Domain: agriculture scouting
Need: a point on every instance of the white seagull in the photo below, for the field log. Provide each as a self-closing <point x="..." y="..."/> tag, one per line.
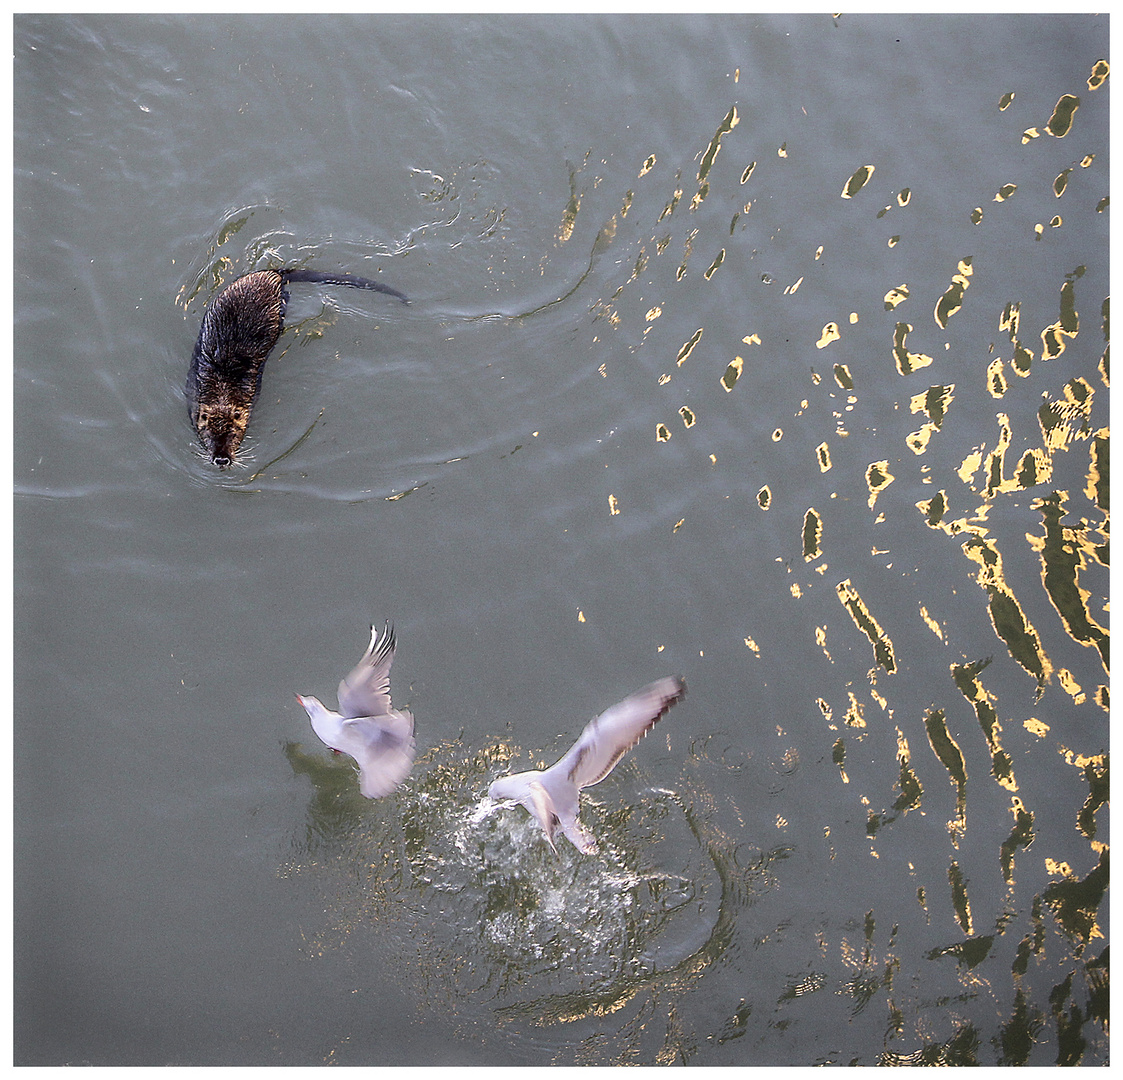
<point x="553" y="795"/>
<point x="367" y="726"/>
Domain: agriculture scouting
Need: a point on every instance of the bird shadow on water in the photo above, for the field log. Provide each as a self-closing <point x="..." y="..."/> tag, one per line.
<point x="487" y="921"/>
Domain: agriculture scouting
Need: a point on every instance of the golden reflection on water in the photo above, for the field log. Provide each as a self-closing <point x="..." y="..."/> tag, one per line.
<point x="857" y="181"/>
<point x="478" y="906"/>
<point x="458" y="862"/>
<point x="1070" y="541"/>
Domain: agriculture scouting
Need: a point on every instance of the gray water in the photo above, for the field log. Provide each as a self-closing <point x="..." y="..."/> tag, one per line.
<point x="876" y="829"/>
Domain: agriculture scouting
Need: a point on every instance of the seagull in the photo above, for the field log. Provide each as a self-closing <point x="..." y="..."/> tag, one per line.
<point x="367" y="726"/>
<point x="552" y="795"/>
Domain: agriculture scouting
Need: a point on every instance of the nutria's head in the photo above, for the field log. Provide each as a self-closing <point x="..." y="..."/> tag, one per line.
<point x="221" y="428"/>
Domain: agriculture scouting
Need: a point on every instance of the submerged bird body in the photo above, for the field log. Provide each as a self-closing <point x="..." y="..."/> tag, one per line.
<point x="367" y="727"/>
<point x="553" y="795"/>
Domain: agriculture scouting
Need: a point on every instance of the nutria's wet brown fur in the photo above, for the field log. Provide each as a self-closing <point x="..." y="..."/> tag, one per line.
<point x="239" y="331"/>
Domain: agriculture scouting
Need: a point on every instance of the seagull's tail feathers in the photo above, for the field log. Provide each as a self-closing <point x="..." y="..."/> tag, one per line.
<point x="527" y="788"/>
<point x="579" y="836"/>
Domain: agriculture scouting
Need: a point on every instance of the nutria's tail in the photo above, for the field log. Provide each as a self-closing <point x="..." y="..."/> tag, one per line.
<point x="342" y="279"/>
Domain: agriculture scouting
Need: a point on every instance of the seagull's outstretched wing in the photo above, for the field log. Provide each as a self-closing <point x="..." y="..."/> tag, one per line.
<point x="366" y="690"/>
<point x="611" y="735"/>
<point x="553" y="795"/>
<point x="384" y="748"/>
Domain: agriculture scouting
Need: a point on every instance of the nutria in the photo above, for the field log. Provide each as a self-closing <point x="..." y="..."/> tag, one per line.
<point x="239" y="331"/>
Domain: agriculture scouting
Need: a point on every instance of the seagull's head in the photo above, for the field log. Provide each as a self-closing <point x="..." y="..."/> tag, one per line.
<point x="312" y="705"/>
<point x="497" y="791"/>
<point x="325" y="723"/>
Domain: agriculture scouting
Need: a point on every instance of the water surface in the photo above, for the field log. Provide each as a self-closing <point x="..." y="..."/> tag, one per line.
<point x="767" y="350"/>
